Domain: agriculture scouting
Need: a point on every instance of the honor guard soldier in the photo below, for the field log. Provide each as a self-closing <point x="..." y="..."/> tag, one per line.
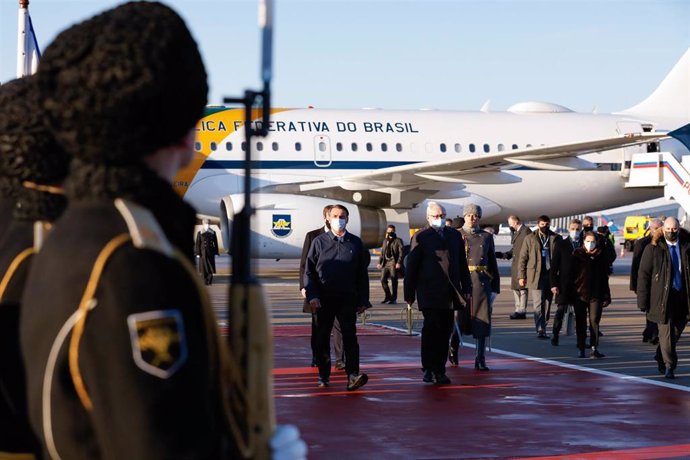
<point x="31" y="158"/>
<point x="122" y="353"/>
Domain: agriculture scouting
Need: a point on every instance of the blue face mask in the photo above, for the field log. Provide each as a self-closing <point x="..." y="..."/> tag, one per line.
<point x="590" y="245"/>
<point x="438" y="222"/>
<point x="338" y="224"/>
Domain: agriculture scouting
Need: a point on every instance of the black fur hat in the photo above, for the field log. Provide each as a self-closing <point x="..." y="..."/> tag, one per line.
<point x="123" y="84"/>
<point x="29" y="153"/>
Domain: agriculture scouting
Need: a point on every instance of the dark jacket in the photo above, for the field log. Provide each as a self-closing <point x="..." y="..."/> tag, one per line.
<point x="395" y="247"/>
<point x="148" y="401"/>
<point x="15" y="432"/>
<point x="206" y="247"/>
<point x="436" y="270"/>
<point x="561" y="272"/>
<point x="338" y="269"/>
<point x="590" y="273"/>
<point x="308" y="238"/>
<point x="654" y="276"/>
<point x="637" y="257"/>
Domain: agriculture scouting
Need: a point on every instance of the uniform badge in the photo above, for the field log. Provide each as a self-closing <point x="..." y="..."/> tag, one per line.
<point x="282" y="225"/>
<point x="158" y="341"/>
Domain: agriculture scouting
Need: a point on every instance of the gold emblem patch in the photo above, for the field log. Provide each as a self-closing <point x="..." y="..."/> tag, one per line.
<point x="159" y="346"/>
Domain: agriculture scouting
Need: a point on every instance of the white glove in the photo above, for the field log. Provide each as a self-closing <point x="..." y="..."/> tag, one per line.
<point x="286" y="444"/>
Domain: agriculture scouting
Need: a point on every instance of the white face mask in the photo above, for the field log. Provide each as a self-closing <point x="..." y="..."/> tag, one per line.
<point x="438" y="223"/>
<point x="338" y="224"/>
<point x="590" y="245"/>
<point x="573" y="234"/>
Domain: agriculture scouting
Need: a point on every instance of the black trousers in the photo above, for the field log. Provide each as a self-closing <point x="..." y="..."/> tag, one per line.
<point x="558" y="318"/>
<point x="595" y="308"/>
<point x="669" y="333"/>
<point x="438" y="324"/>
<point x="337" y="339"/>
<point x="389" y="272"/>
<point x="345" y="310"/>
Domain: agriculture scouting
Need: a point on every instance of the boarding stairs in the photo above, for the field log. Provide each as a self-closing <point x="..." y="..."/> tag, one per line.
<point x="662" y="169"/>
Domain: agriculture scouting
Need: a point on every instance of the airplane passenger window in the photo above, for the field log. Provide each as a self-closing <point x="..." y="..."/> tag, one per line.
<point x="458" y="148"/>
<point x="515" y="146"/>
<point x="384" y="147"/>
<point x="501" y="147"/>
<point x="228" y="146"/>
<point x="322" y="146"/>
<point x="354" y="146"/>
<point x="214" y="146"/>
<point x="339" y="146"/>
<point x="275" y="146"/>
<point x="398" y="147"/>
<point x="197" y="146"/>
<point x="298" y="146"/>
<point x="472" y="148"/>
<point x="528" y="145"/>
<point x="259" y="146"/>
<point x="487" y="149"/>
<point x="244" y="146"/>
<point x="443" y="148"/>
<point x="369" y="147"/>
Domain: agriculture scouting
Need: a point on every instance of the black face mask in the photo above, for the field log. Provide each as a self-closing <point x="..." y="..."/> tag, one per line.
<point x="587" y="228"/>
<point x="671" y="236"/>
<point x="390" y="236"/>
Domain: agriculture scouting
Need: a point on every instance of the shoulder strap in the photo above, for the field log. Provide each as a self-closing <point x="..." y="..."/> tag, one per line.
<point x="18" y="260"/>
<point x="143" y="227"/>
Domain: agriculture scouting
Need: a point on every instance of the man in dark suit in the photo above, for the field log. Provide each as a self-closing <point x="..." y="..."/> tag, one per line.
<point x="390" y="263"/>
<point x="663" y="280"/>
<point x="651" y="331"/>
<point x="306" y="308"/>
<point x="437" y="276"/>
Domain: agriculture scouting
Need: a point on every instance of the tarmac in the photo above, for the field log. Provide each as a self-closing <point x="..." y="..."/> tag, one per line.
<point x="537" y="401"/>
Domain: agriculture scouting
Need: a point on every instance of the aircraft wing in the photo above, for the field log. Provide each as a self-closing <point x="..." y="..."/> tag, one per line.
<point x="424" y="179"/>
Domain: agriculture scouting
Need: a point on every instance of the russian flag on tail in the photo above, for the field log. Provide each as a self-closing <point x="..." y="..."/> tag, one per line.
<point x="28" y="53"/>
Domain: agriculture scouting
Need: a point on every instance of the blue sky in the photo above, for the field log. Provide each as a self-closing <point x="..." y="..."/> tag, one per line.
<point x="452" y="54"/>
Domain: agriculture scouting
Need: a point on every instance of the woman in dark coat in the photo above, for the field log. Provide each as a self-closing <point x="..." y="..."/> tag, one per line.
<point x="590" y="271"/>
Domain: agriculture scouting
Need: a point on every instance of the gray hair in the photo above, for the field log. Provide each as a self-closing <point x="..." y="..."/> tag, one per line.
<point x="434" y="205"/>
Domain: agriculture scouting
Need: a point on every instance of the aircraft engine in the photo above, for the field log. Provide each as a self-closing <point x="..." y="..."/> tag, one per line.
<point x="281" y="220"/>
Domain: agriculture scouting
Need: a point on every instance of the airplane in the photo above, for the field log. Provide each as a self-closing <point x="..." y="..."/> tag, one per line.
<point x="385" y="166"/>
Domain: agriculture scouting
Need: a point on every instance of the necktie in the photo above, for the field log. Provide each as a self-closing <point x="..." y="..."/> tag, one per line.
<point x="675" y="261"/>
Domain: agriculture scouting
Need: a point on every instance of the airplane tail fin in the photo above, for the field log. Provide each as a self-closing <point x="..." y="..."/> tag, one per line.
<point x="671" y="98"/>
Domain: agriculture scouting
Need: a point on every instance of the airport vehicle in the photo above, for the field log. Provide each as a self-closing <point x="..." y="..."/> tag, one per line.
<point x="635" y="227"/>
<point x="384" y="166"/>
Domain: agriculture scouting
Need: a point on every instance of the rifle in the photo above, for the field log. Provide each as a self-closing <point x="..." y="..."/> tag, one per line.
<point x="252" y="413"/>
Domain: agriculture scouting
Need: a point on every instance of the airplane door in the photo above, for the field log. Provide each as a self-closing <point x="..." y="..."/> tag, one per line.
<point x="322" y="151"/>
<point x="630" y="127"/>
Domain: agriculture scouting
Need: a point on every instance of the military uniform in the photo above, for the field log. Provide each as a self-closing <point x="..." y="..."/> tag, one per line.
<point x="206" y="247"/>
<point x="146" y="383"/>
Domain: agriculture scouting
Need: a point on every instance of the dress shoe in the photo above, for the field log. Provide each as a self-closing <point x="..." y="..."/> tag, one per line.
<point x="453" y="356"/>
<point x="542" y="335"/>
<point x="385" y="301"/>
<point x="554" y="340"/>
<point x="669" y="373"/>
<point x="393" y="302"/>
<point x="340" y="365"/>
<point x="323" y="383"/>
<point x="581" y="353"/>
<point x="661" y="367"/>
<point x="595" y="354"/>
<point x="440" y="378"/>
<point x="355" y="381"/>
<point x="428" y="376"/>
<point x="480" y="364"/>
<point x="517" y="315"/>
<point x="313" y="362"/>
